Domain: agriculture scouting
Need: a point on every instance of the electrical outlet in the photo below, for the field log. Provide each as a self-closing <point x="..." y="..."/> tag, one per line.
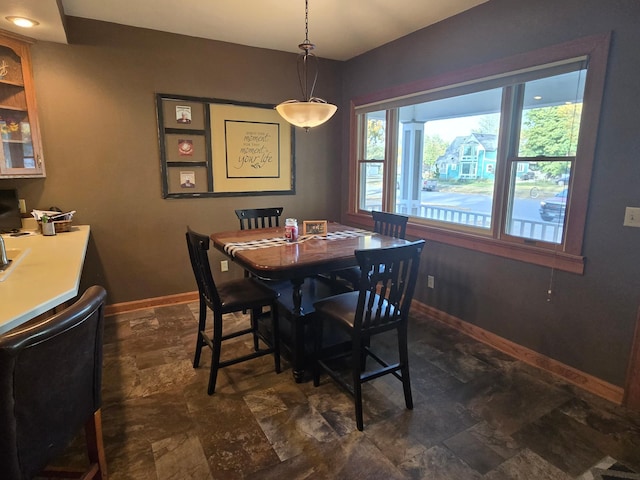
<point x="632" y="217"/>
<point x="431" y="281"/>
<point x="224" y="265"/>
<point x="23" y="205"/>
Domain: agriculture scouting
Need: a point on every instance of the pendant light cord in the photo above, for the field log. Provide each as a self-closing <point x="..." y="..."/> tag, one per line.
<point x="306" y="21"/>
<point x="305" y="59"/>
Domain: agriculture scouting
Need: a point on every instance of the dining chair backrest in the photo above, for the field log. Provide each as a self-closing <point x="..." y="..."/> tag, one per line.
<point x="198" y="246"/>
<point x="259" y="217"/>
<point x="50" y="387"/>
<point x="387" y="282"/>
<point x="390" y="224"/>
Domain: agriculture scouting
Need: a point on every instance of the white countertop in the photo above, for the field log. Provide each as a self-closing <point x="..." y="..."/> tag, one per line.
<point x="47" y="275"/>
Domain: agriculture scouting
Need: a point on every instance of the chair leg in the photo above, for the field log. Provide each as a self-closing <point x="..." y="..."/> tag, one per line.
<point x="275" y="337"/>
<point x="366" y="343"/>
<point x="316" y="328"/>
<point x="202" y="321"/>
<point x="356" y="369"/>
<point x="246" y="275"/>
<point x="255" y="315"/>
<point x="215" y="352"/>
<point x="95" y="444"/>
<point x="404" y="371"/>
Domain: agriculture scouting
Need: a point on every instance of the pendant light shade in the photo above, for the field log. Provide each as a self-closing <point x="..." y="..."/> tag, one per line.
<point x="306" y="114"/>
<point x="310" y="111"/>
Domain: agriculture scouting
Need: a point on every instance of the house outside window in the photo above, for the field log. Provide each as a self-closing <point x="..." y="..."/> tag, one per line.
<point x="499" y="153"/>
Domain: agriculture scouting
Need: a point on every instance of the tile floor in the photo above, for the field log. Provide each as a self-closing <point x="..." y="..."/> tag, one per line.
<point x="478" y="414"/>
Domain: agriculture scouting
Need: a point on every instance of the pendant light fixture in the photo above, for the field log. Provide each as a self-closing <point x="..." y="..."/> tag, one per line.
<point x="311" y="111"/>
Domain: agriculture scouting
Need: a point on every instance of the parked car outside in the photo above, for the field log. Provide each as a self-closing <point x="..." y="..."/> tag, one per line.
<point x="553" y="209"/>
<point x="563" y="179"/>
<point x="430" y="185"/>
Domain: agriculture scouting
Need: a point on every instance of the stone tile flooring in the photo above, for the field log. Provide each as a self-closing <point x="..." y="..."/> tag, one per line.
<point x="478" y="414"/>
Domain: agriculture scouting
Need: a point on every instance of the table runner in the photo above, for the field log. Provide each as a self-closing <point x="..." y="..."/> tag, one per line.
<point x="232" y="247"/>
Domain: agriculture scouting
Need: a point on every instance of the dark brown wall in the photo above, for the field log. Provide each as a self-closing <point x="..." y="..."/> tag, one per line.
<point x="97" y="113"/>
<point x="589" y="322"/>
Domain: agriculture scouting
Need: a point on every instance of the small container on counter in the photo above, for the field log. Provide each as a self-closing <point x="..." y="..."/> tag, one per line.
<point x="48" y="227"/>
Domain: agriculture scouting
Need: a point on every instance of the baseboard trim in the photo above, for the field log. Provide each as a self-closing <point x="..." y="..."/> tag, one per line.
<point x="125" y="307"/>
<point x="583" y="380"/>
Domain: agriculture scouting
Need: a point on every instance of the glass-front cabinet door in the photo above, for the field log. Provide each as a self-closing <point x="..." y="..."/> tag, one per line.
<point x="21" y="152"/>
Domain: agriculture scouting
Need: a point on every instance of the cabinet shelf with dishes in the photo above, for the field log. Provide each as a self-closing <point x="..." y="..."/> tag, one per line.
<point x="20" y="143"/>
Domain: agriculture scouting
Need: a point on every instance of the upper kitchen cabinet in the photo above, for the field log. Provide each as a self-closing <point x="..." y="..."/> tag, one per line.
<point x="21" y="152"/>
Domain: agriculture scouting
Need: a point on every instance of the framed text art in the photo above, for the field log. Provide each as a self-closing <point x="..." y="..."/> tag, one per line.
<point x="211" y="147"/>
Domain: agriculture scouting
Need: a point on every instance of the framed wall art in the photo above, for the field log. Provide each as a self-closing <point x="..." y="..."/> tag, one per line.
<point x="223" y="148"/>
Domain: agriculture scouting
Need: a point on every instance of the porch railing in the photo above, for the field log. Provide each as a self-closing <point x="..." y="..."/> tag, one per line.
<point x="530" y="229"/>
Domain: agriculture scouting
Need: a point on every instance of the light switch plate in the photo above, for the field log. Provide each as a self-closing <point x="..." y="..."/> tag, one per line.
<point x="632" y="217"/>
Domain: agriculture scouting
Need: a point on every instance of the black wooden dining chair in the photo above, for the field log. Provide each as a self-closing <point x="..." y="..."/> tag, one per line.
<point x="251" y="218"/>
<point x="259" y="217"/>
<point x="384" y="223"/>
<point x="381" y="304"/>
<point x="389" y="224"/>
<point x="50" y="389"/>
<point x="245" y="294"/>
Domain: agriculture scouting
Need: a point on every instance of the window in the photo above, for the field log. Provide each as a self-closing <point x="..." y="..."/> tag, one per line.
<point x="488" y="161"/>
<point x="371" y="173"/>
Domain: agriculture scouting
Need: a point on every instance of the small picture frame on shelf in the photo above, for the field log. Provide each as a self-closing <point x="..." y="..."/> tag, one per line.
<point x="314" y="227"/>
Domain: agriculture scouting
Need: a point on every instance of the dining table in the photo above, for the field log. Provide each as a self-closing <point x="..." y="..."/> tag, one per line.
<point x="265" y="253"/>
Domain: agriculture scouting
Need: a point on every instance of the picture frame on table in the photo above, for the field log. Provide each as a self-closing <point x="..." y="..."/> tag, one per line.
<point x="314" y="227"/>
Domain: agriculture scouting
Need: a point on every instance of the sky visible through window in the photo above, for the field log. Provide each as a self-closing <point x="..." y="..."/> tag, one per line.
<point x="450" y="128"/>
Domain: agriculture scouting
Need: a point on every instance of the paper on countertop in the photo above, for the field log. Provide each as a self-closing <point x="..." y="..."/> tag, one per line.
<point x="20" y="234"/>
<point x="38" y="214"/>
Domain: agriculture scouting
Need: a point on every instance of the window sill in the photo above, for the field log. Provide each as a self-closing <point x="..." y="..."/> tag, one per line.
<point x="515" y="251"/>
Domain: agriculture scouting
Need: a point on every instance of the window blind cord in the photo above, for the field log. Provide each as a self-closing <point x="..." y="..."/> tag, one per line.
<point x="569" y="148"/>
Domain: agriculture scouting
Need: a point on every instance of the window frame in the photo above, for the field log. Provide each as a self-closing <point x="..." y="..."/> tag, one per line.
<point x="566" y="256"/>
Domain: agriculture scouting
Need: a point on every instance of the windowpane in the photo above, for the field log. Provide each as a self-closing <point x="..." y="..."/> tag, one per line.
<point x="552" y="108"/>
<point x="549" y="127"/>
<point x="376" y="134"/>
<point x="371" y="185"/>
<point x="371" y="173"/>
<point x="447" y="158"/>
<point x="539" y="199"/>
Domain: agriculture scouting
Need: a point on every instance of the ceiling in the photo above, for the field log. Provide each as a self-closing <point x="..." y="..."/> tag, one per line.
<point x="341" y="29"/>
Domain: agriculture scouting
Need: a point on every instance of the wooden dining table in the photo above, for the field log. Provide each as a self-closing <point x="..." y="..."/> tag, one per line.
<point x="266" y="254"/>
